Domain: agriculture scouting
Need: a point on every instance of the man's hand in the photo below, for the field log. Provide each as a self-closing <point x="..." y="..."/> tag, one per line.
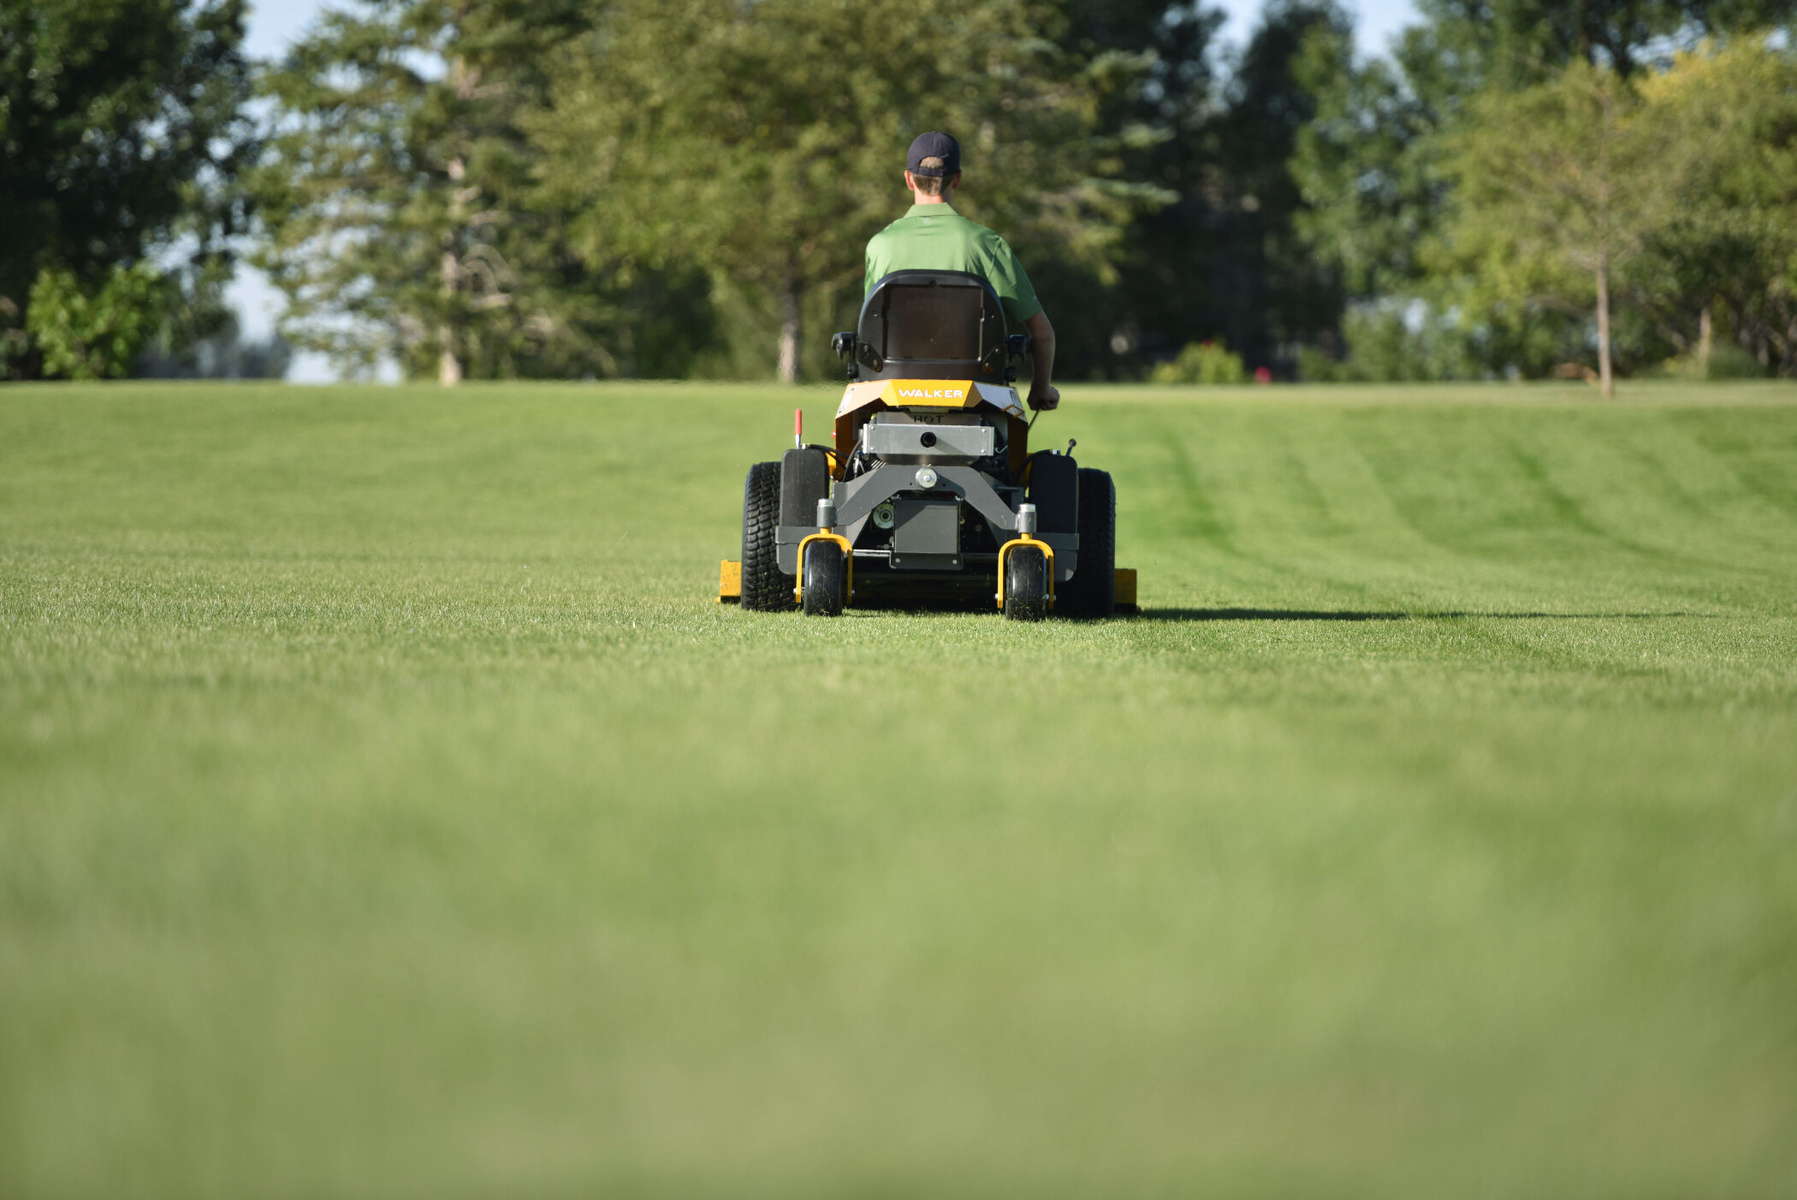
<point x="1045" y="398"/>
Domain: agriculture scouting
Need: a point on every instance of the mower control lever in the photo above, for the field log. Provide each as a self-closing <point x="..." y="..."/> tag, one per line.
<point x="845" y="344"/>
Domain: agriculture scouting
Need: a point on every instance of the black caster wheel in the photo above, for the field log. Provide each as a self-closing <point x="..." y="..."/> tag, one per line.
<point x="1026" y="585"/>
<point x="826" y="580"/>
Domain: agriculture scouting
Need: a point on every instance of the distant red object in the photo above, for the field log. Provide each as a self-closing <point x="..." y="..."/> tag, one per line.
<point x="1263" y="375"/>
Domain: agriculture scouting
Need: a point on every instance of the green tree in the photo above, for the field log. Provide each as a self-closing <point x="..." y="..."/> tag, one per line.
<point x="94" y="333"/>
<point x="1215" y="130"/>
<point x="399" y="203"/>
<point x="1725" y="263"/>
<point x="1366" y="163"/>
<point x="1518" y="43"/>
<point x="1371" y="164"/>
<point x="1157" y="108"/>
<point x="1269" y="292"/>
<point x="121" y="134"/>
<point x="764" y="143"/>
<point x="1559" y="187"/>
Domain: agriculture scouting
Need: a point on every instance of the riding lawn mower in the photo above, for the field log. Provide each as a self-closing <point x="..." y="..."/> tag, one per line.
<point x="929" y="494"/>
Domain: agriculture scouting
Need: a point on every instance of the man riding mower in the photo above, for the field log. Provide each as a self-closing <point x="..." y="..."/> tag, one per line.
<point x="929" y="493"/>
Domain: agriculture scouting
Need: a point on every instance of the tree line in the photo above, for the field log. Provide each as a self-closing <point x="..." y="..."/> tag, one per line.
<point x="681" y="188"/>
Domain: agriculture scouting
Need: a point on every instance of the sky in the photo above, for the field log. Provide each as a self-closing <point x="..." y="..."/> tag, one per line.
<point x="274" y="23"/>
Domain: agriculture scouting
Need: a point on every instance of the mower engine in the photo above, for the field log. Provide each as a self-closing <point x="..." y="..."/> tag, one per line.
<point x="909" y="438"/>
<point x="923" y="526"/>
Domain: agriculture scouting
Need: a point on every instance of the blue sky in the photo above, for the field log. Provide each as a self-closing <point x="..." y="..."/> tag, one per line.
<point x="273" y="23"/>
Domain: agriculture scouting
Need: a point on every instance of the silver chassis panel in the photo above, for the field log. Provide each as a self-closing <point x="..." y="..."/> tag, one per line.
<point x="857" y="499"/>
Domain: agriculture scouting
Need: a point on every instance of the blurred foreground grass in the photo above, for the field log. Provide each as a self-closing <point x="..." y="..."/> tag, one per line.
<point x="387" y="810"/>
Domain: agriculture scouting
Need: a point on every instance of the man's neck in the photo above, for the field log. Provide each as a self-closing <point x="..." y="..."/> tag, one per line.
<point x="920" y="198"/>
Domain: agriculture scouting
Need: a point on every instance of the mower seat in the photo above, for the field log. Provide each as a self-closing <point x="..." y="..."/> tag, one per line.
<point x="931" y="325"/>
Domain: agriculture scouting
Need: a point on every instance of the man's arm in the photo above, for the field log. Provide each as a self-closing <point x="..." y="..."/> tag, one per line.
<point x="1042" y="391"/>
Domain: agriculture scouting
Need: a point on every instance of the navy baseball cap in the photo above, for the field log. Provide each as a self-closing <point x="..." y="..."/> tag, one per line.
<point x="935" y="145"/>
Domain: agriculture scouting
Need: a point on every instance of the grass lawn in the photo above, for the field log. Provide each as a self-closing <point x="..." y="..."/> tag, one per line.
<point x="387" y="810"/>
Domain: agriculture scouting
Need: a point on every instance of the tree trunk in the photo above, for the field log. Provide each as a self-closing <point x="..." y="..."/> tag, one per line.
<point x="1604" y="378"/>
<point x="449" y="367"/>
<point x="1705" y="340"/>
<point x="789" y="332"/>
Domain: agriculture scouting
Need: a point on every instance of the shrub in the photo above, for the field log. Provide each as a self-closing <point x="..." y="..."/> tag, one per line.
<point x="1727" y="361"/>
<point x="94" y="335"/>
<point x="1202" y="362"/>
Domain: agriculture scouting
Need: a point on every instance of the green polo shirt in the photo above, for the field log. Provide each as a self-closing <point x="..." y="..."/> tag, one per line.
<point x="934" y="237"/>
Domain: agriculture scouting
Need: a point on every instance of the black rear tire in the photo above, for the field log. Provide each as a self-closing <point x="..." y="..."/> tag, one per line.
<point x="1026" y="585"/>
<point x="826" y="583"/>
<point x="765" y="588"/>
<point x="1092" y="592"/>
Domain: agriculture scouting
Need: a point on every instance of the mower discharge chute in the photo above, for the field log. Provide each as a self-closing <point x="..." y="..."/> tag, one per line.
<point x="929" y="493"/>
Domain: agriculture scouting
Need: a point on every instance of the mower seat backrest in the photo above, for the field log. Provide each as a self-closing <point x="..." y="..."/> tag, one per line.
<point x="931" y="325"/>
